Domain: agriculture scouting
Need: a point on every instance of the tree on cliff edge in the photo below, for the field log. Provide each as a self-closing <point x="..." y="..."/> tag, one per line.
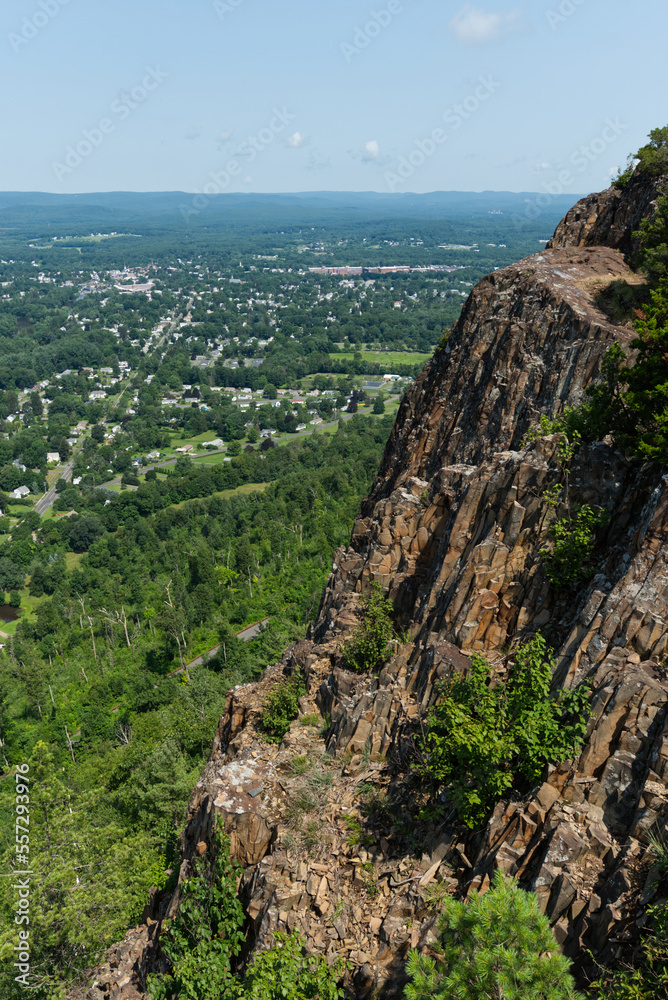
<point x="498" y="946"/>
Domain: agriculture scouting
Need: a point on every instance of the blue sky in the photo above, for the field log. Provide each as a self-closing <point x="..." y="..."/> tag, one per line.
<point x="298" y="95"/>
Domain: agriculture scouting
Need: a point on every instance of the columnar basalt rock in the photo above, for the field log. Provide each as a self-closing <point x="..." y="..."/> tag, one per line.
<point x="453" y="531"/>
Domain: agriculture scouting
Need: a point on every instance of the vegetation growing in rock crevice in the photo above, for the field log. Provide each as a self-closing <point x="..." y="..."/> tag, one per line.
<point x="281" y="708"/>
<point x="371" y="641"/>
<point x="486" y="737"/>
<point x="648" y="980"/>
<point x="573" y="534"/>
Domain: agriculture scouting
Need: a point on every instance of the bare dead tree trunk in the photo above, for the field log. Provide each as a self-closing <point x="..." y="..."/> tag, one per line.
<point x="124" y="620"/>
<point x="110" y="644"/>
<point x="70" y="745"/>
<point x="92" y="636"/>
<point x="88" y="618"/>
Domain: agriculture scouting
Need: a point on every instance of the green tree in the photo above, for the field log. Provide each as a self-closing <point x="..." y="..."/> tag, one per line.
<point x="11" y="575"/>
<point x="653" y="156"/>
<point x="84" y="532"/>
<point x="379" y="404"/>
<point x="498" y="946"/>
<point x="484" y="735"/>
<point x="90" y="879"/>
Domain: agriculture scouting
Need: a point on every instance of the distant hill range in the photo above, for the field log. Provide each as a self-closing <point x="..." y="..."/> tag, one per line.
<point x="437" y="204"/>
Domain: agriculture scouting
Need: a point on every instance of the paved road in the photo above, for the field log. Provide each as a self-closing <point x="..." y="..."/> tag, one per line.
<point x="47" y="500"/>
<point x="245" y="635"/>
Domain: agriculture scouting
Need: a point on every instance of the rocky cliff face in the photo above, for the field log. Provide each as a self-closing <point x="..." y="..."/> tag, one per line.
<point x="452" y="530"/>
<point x="610" y="218"/>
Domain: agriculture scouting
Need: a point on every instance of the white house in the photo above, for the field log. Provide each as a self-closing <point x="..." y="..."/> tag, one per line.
<point x="19" y="493"/>
<point x="52" y="456"/>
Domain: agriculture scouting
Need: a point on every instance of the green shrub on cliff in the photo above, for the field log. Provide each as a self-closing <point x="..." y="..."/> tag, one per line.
<point x="284" y="972"/>
<point x="653" y="232"/>
<point x="205" y="935"/>
<point x="281" y="708"/>
<point x="653" y="156"/>
<point x="370" y="644"/>
<point x="498" y="946"/>
<point x="572" y="540"/>
<point x="630" y="402"/>
<point x="484" y="737"/>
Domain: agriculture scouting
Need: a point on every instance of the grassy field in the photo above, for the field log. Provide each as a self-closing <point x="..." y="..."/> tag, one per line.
<point x="197" y="442"/>
<point x="225" y="494"/>
<point x="215" y="459"/>
<point x="387" y="358"/>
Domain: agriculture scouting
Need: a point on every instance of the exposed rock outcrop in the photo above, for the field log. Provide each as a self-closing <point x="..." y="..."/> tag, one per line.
<point x="610" y="218"/>
<point x="324" y="824"/>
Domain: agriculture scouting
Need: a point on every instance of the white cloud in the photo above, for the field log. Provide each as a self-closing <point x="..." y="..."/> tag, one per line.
<point x="472" y="25"/>
<point x="542" y="166"/>
<point x="296" y="140"/>
<point x="371" y="153"/>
